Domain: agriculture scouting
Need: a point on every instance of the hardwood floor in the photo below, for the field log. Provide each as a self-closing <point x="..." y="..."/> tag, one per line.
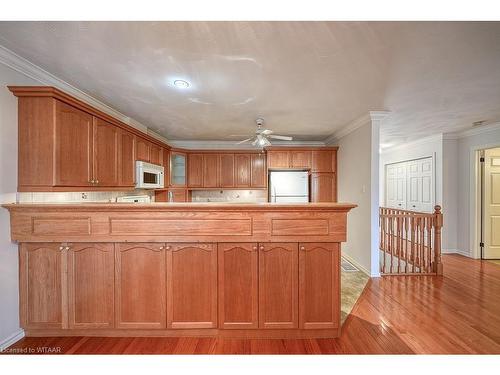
<point x="456" y="313"/>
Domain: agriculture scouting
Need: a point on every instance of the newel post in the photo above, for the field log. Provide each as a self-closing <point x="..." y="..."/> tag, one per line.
<point x="438" y="223"/>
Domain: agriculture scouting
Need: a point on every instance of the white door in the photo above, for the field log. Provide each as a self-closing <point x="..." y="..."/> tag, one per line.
<point x="396" y="185"/>
<point x="492" y="204"/>
<point x="420" y="185"/>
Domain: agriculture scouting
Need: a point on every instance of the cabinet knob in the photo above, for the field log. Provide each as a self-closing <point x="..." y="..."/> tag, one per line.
<point x="255" y="247"/>
<point x="168" y="247"/>
<point x="61" y="248"/>
<point x="262" y="247"/>
<point x="162" y="247"/>
<point x="96" y="181"/>
<point x="302" y="248"/>
<point x="66" y="248"/>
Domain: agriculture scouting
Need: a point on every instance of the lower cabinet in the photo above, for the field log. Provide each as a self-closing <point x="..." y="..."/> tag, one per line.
<point x="90" y="285"/>
<point x="319" y="285"/>
<point x="41" y="285"/>
<point x="192" y="285"/>
<point x="278" y="285"/>
<point x="238" y="285"/>
<point x="140" y="289"/>
<point x="180" y="285"/>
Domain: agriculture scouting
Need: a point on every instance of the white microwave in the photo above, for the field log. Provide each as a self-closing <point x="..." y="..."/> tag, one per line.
<point x="149" y="176"/>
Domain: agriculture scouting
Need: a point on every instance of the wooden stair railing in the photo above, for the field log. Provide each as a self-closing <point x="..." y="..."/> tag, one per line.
<point x="410" y="242"/>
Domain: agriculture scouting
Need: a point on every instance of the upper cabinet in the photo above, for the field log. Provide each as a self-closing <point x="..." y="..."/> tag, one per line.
<point x="227" y="170"/>
<point x="67" y="145"/>
<point x="315" y="159"/>
<point x="177" y="169"/>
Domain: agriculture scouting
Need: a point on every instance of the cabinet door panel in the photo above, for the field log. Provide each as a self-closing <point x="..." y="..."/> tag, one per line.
<point x="140" y="285"/>
<point x="178" y="169"/>
<point x="278" y="159"/>
<point x="278" y="285"/>
<point x="259" y="171"/>
<point x="242" y="162"/>
<point x="42" y="285"/>
<point x="195" y="170"/>
<point x="156" y="154"/>
<point x="127" y="159"/>
<point x="211" y="170"/>
<point x="90" y="285"/>
<point x="238" y="285"/>
<point x="323" y="187"/>
<point x="227" y="170"/>
<point x="106" y="139"/>
<point x="300" y="159"/>
<point x="143" y="150"/>
<point x="192" y="285"/>
<point x="73" y="146"/>
<point x="323" y="161"/>
<point x="319" y="297"/>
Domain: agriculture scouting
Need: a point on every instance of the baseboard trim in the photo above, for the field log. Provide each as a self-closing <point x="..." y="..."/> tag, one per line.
<point x="464" y="253"/>
<point x="450" y="251"/>
<point x="359" y="266"/>
<point x="12" y="339"/>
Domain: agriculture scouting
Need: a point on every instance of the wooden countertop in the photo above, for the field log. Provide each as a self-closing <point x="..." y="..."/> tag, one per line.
<point x="188" y="206"/>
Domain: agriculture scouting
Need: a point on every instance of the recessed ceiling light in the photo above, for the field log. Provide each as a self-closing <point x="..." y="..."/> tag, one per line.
<point x="180" y="83"/>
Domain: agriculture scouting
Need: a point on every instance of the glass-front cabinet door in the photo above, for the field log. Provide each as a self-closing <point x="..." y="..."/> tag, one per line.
<point x="178" y="169"/>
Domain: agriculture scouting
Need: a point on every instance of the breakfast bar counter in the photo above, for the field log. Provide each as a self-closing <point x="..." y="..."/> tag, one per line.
<point x="177" y="269"/>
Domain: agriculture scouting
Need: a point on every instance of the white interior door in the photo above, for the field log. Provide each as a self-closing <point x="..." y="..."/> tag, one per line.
<point x="420" y="185"/>
<point x="492" y="204"/>
<point x="396" y="185"/>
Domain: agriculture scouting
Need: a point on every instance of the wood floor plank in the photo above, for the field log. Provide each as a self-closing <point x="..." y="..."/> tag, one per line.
<point x="456" y="313"/>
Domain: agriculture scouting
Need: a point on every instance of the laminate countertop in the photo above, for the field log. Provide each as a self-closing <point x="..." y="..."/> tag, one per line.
<point x="185" y="206"/>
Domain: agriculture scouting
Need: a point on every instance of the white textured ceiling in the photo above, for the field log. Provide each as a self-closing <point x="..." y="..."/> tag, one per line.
<point x="307" y="79"/>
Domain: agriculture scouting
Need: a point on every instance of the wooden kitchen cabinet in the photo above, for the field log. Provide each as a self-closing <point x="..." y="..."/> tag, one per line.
<point x="323" y="187"/>
<point x="258" y="170"/>
<point x="238" y="285"/>
<point x="324" y="161"/>
<point x="242" y="170"/>
<point x="278" y="159"/>
<point x="73" y="147"/>
<point x="140" y="288"/>
<point x="319" y="285"/>
<point x="300" y="159"/>
<point x="155" y="154"/>
<point x="42" y="285"/>
<point x="278" y="285"/>
<point x="211" y="170"/>
<point x="195" y="170"/>
<point x="192" y="285"/>
<point x="106" y="153"/>
<point x="178" y="169"/>
<point x="227" y="170"/>
<point x="127" y="159"/>
<point x="67" y="145"/>
<point x="143" y="150"/>
<point x="90" y="277"/>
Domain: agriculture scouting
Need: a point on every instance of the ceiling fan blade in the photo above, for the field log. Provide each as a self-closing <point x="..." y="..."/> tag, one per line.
<point x="266" y="131"/>
<point x="282" y="137"/>
<point x="243" y="141"/>
<point x="255" y="142"/>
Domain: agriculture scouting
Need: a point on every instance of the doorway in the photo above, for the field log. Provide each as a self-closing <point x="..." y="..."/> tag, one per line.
<point x="490" y="203"/>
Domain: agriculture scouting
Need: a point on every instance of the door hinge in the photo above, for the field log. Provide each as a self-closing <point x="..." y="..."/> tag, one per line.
<point x="481" y="244"/>
<point x="481" y="159"/>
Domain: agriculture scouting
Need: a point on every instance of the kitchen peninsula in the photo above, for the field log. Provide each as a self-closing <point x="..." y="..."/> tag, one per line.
<point x="174" y="269"/>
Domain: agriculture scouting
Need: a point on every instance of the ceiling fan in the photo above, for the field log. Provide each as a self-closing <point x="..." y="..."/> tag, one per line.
<point x="261" y="135"/>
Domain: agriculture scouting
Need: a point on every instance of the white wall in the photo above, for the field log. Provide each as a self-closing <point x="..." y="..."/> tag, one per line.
<point x="358" y="183"/>
<point x="9" y="287"/>
<point x="467" y="146"/>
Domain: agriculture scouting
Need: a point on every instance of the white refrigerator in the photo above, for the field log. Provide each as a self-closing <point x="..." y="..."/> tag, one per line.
<point x="288" y="186"/>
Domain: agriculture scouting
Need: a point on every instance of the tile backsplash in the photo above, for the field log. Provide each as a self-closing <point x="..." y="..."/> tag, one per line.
<point x="251" y="196"/>
<point x="80" y="197"/>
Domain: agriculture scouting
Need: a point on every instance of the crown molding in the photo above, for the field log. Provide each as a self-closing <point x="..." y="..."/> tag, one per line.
<point x="27" y="68"/>
<point x="231" y="145"/>
<point x="420" y="141"/>
<point x="495" y="126"/>
<point x="371" y="116"/>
